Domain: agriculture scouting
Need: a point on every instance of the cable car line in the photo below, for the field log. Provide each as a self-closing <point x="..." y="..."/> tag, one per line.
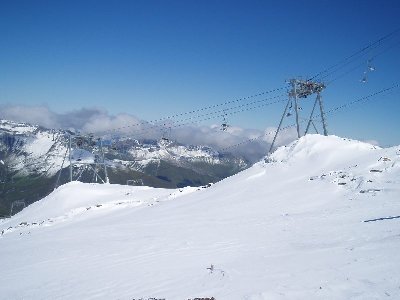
<point x="362" y="50"/>
<point x="363" y="63"/>
<point x="162" y="128"/>
<point x="330" y="69"/>
<point x="231" y="108"/>
<point x="193" y="111"/>
<point x="212" y="114"/>
<point x="331" y="111"/>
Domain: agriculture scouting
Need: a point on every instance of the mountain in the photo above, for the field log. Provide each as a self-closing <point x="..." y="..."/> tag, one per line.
<point x="31" y="158"/>
<point x="317" y="219"/>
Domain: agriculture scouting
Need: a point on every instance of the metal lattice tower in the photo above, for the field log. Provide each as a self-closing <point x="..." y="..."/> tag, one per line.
<point x="300" y="90"/>
<point x="86" y="154"/>
<point x="16" y="204"/>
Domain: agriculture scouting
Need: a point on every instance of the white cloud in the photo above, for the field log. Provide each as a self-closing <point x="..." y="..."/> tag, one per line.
<point x="38" y="115"/>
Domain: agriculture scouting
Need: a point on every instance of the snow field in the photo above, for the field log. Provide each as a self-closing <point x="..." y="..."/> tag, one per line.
<point x="292" y="228"/>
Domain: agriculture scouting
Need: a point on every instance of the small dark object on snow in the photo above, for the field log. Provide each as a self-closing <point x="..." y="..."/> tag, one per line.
<point x="384" y="159"/>
<point x="369" y="191"/>
<point x="211" y="268"/>
<point x="381" y="219"/>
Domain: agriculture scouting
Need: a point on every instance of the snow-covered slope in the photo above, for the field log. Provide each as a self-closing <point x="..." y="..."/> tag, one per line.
<point x="318" y="220"/>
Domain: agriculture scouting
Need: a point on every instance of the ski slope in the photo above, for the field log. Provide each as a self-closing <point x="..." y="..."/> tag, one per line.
<point x="319" y="219"/>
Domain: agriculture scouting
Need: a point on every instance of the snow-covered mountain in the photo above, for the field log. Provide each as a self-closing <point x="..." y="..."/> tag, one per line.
<point x="34" y="149"/>
<point x="30" y="149"/>
<point x="31" y="156"/>
<point x="317" y="219"/>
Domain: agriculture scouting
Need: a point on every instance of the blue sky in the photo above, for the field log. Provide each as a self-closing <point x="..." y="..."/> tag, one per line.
<point x="156" y="58"/>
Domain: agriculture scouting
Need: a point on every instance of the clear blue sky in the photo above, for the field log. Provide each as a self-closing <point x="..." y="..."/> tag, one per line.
<point x="156" y="58"/>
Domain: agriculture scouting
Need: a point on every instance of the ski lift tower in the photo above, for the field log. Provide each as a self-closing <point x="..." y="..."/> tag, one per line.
<point x="299" y="90"/>
<point x="86" y="154"/>
<point x="16" y="203"/>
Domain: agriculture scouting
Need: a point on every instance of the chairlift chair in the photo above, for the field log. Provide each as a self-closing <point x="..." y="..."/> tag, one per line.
<point x="370" y="67"/>
<point x="166" y="133"/>
<point x="364" y="78"/>
<point x="224" y="125"/>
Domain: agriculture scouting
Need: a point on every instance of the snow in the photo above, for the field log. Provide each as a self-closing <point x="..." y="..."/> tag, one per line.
<point x="43" y="147"/>
<point x="17" y="128"/>
<point x="34" y="145"/>
<point x="164" y="150"/>
<point x="318" y="220"/>
<point x="81" y="155"/>
<point x="40" y="144"/>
